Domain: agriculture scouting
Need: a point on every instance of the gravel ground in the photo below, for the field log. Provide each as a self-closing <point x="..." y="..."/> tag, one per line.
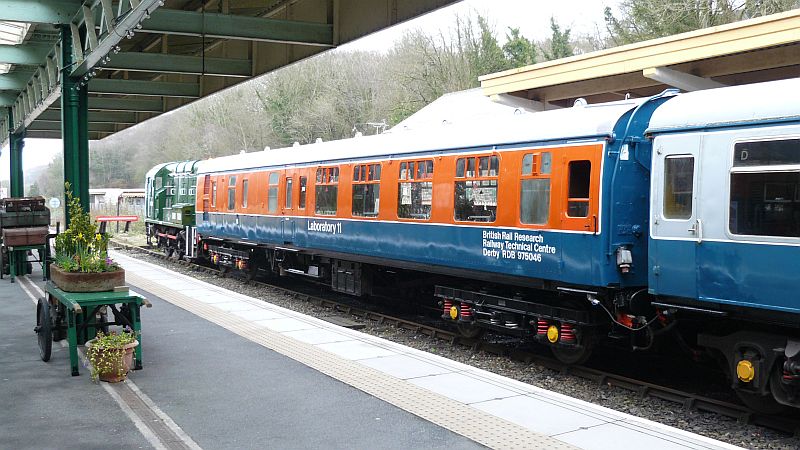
<point x="669" y="413"/>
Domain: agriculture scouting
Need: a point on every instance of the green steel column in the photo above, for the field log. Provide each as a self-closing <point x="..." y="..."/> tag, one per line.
<point x="74" y="119"/>
<point x="16" y="143"/>
<point x="83" y="147"/>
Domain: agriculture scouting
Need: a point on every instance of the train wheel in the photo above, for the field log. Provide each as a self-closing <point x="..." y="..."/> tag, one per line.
<point x="575" y="355"/>
<point x="470" y="331"/>
<point x="44" y="329"/>
<point x="764" y="404"/>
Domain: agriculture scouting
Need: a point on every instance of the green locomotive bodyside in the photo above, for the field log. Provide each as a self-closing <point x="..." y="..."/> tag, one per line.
<point x="170" y="191"/>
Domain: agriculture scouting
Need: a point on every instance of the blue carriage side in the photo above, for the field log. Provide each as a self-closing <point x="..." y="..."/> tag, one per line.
<point x="725" y="228"/>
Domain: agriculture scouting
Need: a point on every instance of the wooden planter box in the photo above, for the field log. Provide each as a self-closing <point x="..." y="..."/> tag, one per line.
<point x="86" y="282"/>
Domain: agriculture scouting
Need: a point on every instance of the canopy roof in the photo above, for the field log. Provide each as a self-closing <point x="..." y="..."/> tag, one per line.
<point x="141" y="58"/>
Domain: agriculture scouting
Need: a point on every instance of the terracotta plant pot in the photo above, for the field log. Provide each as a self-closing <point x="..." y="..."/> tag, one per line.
<point x="86" y="282"/>
<point x="124" y="362"/>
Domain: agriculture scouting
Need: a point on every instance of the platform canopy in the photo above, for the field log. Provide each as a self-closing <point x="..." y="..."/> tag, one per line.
<point x="140" y="58"/>
<point x="85" y="69"/>
<point x="761" y="49"/>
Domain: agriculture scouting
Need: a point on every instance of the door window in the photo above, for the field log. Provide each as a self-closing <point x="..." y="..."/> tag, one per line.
<point x="678" y="187"/>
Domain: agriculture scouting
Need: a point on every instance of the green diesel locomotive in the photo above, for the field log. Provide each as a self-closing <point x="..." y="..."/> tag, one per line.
<point x="170" y="211"/>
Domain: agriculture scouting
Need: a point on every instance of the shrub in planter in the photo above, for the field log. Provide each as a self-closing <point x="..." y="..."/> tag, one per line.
<point x="111" y="355"/>
<point x="80" y="249"/>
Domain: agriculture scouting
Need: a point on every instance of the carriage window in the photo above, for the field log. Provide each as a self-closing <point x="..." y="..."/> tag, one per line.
<point x="476" y="198"/>
<point x="678" y="187"/>
<point x="579" y="175"/>
<point x="415" y="190"/>
<point x="244" y="193"/>
<point x="231" y="193"/>
<point x="366" y="190"/>
<point x="767" y="153"/>
<point x="766" y="202"/>
<point x="214" y="194"/>
<point x="272" y="193"/>
<point x="302" y="200"/>
<point x="326" y="191"/>
<point x="288" y="203"/>
<point x="534" y="197"/>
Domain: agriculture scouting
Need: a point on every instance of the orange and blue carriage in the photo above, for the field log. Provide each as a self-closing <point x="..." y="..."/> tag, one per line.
<point x="671" y="217"/>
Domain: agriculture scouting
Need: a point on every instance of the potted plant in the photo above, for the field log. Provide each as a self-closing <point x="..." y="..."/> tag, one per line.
<point x="81" y="261"/>
<point x="111" y="355"/>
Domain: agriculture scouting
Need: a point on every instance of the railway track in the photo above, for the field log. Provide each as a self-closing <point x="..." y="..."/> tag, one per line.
<point x="690" y="401"/>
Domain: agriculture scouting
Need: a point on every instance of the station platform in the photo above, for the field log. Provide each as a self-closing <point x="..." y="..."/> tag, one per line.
<point x="223" y="370"/>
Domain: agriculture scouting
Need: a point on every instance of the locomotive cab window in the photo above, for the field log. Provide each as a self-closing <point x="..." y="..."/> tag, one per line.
<point x="765" y="188"/>
<point x="580" y="174"/>
<point x="415" y="190"/>
<point x="476" y="196"/>
<point x="214" y="193"/>
<point x="272" y="193"/>
<point x="534" y="198"/>
<point x="231" y="193"/>
<point x="326" y="191"/>
<point x="366" y="190"/>
<point x="678" y="187"/>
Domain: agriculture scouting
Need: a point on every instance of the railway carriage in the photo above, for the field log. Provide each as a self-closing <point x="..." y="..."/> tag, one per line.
<point x="725" y="228"/>
<point x="630" y="221"/>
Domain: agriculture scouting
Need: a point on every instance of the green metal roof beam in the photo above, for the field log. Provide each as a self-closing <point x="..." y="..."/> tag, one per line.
<point x="166" y="63"/>
<point x="25" y="54"/>
<point x="126" y="104"/>
<point x="124" y="24"/>
<point x="147" y="88"/>
<point x="14" y="81"/>
<point x="54" y="115"/>
<point x="7" y="100"/>
<point x="190" y="23"/>
<point x="56" y="126"/>
<point x="39" y="11"/>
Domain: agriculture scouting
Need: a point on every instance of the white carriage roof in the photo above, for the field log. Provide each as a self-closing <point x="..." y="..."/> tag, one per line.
<point x="568" y="123"/>
<point x="736" y="105"/>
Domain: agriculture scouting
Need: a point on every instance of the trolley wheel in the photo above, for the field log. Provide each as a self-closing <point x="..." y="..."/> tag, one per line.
<point x="44" y="329"/>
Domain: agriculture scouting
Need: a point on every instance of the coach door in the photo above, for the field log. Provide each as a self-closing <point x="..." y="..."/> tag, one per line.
<point x="288" y="209"/>
<point x="676" y="226"/>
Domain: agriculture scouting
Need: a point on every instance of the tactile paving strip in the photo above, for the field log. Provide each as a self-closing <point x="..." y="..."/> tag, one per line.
<point x="465" y="420"/>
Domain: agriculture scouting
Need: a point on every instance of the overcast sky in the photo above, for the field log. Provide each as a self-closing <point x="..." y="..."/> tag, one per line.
<point x="532" y="17"/>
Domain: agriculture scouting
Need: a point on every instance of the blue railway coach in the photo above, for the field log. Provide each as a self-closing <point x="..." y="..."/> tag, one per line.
<point x="674" y="217"/>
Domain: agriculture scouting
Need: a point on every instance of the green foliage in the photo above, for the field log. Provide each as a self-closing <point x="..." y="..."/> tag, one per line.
<point x="488" y="57"/>
<point x="641" y="20"/>
<point x="519" y="50"/>
<point x="80" y="248"/>
<point x="106" y="352"/>
<point x="560" y="46"/>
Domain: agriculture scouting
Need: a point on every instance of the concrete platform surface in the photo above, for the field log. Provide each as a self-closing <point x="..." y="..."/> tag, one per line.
<point x="223" y="370"/>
